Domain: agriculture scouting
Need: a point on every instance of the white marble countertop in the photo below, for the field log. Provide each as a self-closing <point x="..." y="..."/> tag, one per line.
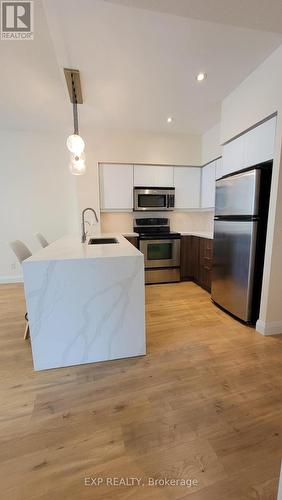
<point x="85" y="303"/>
<point x="130" y="235"/>
<point x="71" y="248"/>
<point x="203" y="234"/>
<point x="207" y="235"/>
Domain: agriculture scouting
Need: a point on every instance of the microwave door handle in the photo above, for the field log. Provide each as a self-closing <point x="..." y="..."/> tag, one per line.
<point x="167" y="201"/>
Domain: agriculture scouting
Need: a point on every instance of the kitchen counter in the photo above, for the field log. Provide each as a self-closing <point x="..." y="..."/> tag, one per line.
<point x="207" y="235"/>
<point x="130" y="235"/>
<point x="70" y="247"/>
<point x="85" y="302"/>
<point x="202" y="234"/>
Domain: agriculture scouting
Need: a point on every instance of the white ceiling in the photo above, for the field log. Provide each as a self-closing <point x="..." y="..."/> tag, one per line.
<point x="264" y="15"/>
<point x="137" y="66"/>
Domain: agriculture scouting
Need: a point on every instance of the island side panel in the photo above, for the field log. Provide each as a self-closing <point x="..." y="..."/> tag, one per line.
<point x="83" y="311"/>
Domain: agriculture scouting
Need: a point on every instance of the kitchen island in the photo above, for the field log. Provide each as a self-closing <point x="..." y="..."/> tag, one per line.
<point x="85" y="302"/>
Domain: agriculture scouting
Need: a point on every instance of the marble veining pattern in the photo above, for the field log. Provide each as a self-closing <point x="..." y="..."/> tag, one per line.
<point x="83" y="310"/>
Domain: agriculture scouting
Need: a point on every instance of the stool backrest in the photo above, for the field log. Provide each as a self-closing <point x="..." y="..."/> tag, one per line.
<point x="43" y="242"/>
<point x="20" y="250"/>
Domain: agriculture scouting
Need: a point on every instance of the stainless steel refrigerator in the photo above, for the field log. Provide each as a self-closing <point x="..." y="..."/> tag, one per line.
<point x="240" y="224"/>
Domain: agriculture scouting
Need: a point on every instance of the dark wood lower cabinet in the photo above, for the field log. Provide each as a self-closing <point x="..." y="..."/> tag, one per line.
<point x="205" y="263"/>
<point x="186" y="258"/>
<point x="196" y="260"/>
<point x="133" y="240"/>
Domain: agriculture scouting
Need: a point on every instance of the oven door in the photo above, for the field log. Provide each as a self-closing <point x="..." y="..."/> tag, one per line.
<point x="153" y="199"/>
<point x="161" y="253"/>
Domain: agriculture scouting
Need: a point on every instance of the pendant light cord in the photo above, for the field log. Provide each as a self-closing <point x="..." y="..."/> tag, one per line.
<point x="75" y="114"/>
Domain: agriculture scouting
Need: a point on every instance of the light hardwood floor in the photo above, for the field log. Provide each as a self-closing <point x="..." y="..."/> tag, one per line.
<point x="205" y="403"/>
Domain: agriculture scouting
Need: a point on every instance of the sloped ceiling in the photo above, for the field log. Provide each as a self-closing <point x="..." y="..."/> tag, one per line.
<point x="263" y="15"/>
<point x="137" y="66"/>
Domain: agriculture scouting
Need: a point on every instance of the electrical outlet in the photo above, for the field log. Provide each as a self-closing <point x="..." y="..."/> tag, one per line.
<point x="13" y="266"/>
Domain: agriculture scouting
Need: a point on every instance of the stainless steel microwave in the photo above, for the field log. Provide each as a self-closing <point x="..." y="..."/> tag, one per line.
<point x="154" y="199"/>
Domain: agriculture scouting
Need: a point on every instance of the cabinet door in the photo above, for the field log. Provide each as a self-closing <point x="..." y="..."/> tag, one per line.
<point x="218" y="168"/>
<point x="187" y="182"/>
<point x="116" y="186"/>
<point x="205" y="263"/>
<point x="208" y="186"/>
<point x="187" y="265"/>
<point x="259" y="143"/>
<point x="153" y="176"/>
<point x="233" y="156"/>
<point x="196" y="259"/>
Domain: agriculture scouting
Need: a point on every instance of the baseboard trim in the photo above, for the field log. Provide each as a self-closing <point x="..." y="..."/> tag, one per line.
<point x="4" y="280"/>
<point x="269" y="327"/>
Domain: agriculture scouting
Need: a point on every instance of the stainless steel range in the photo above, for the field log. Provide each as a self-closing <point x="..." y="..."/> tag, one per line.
<point x="161" y="249"/>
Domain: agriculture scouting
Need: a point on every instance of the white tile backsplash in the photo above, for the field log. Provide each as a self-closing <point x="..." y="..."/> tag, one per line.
<point x="123" y="222"/>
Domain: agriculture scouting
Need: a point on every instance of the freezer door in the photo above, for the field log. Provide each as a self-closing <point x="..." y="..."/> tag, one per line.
<point x="238" y="194"/>
<point x="233" y="266"/>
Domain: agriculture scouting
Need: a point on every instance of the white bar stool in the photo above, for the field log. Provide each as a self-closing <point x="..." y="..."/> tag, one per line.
<point x="43" y="242"/>
<point x="22" y="252"/>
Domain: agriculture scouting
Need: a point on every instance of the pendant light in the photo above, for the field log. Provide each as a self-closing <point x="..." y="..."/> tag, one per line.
<point x="75" y="143"/>
<point x="77" y="164"/>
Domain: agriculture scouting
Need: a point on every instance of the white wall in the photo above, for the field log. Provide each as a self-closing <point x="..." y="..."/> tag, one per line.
<point x="37" y="193"/>
<point x="211" y="148"/>
<point x="257" y="97"/>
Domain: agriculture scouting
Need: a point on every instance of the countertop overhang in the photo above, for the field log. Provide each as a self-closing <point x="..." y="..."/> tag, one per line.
<point x="71" y="248"/>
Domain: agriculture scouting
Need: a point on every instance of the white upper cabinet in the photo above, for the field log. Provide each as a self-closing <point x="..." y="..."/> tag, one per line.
<point x="187" y="182"/>
<point x="259" y="143"/>
<point x="233" y="155"/>
<point x="251" y="148"/>
<point x="218" y="168"/>
<point x="208" y="185"/>
<point x="153" y="176"/>
<point x="116" y="186"/>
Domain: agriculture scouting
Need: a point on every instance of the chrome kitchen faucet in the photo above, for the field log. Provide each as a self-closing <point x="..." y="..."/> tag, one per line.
<point x="84" y="233"/>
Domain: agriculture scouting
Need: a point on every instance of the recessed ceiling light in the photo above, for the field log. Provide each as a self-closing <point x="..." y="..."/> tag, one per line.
<point x="169" y="119"/>
<point x="201" y="77"/>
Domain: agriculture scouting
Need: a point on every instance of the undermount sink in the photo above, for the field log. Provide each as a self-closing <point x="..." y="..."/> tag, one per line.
<point x="102" y="241"/>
